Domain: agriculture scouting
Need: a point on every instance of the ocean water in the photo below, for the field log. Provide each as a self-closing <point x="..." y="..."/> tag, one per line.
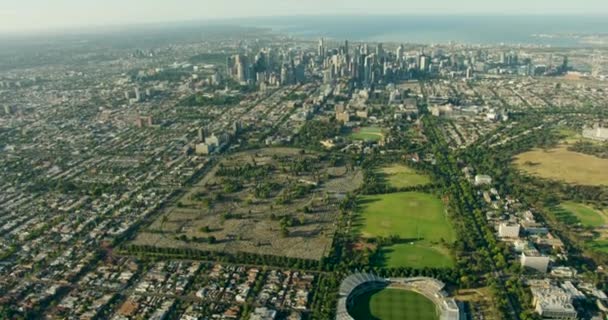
<point x="439" y="29"/>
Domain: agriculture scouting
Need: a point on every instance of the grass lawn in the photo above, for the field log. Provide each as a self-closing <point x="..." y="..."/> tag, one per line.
<point x="415" y="217"/>
<point x="563" y="165"/>
<point x="409" y="215"/>
<point x="416" y="255"/>
<point x="393" y="304"/>
<point x="571" y="136"/>
<point x="400" y="176"/>
<point x="367" y="133"/>
<point x="574" y="213"/>
<point x="587" y="216"/>
<point x="599" y="245"/>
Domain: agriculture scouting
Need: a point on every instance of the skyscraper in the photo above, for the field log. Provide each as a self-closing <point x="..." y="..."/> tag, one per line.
<point x="240" y="68"/>
<point x="379" y="51"/>
<point x="399" y="52"/>
<point x="365" y="49"/>
<point x="424" y="62"/>
<point x="369" y="64"/>
<point x="564" y="67"/>
<point x="321" y="49"/>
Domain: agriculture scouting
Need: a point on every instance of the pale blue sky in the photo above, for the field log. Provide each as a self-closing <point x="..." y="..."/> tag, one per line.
<point x="31" y="15"/>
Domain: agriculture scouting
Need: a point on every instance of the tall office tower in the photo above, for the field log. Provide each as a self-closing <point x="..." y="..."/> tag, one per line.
<point x="137" y="95"/>
<point x="399" y="52"/>
<point x="240" y="68"/>
<point x="365" y="50"/>
<point x="379" y="51"/>
<point x="564" y="66"/>
<point x="386" y="69"/>
<point x="321" y="48"/>
<point x="369" y="65"/>
<point x="423" y="62"/>
<point x="346" y="47"/>
<point x="229" y="71"/>
<point x="360" y="65"/>
<point x="284" y="75"/>
<point x="357" y="52"/>
<point x="271" y="58"/>
<point x="259" y="62"/>
<point x="503" y="58"/>
<point x="201" y="134"/>
<point x="353" y="69"/>
<point x="250" y="72"/>
<point x="300" y="73"/>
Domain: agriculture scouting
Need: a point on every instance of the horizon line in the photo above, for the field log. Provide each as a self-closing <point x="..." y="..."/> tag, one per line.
<point x="203" y="21"/>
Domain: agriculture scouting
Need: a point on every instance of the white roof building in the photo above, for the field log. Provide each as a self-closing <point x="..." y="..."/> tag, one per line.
<point x="508" y="231"/>
<point x="482" y="179"/>
<point x="263" y="314"/>
<point x="552" y="302"/>
<point x="533" y="259"/>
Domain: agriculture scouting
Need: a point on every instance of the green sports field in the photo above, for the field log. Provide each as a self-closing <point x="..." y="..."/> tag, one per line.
<point x="367" y="133"/>
<point x="414" y="255"/>
<point x="417" y="218"/>
<point x="400" y="176"/>
<point x="574" y="213"/>
<point x="393" y="304"/>
<point x="587" y="216"/>
<point x="409" y="215"/>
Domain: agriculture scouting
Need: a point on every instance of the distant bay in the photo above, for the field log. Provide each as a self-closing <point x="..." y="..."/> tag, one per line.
<point x="488" y="30"/>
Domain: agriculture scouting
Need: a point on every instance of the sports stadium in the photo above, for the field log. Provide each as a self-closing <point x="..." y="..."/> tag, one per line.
<point x="364" y="296"/>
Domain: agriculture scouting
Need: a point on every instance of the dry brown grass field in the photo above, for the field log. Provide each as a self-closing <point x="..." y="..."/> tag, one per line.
<point x="563" y="165"/>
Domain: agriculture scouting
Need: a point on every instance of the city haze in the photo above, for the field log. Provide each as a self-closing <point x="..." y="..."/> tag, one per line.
<point x="38" y="15"/>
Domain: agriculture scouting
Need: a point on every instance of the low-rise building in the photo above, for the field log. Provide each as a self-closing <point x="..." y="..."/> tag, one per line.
<point x="552" y="302"/>
<point x="362" y="114"/>
<point x="342" y="116"/>
<point x="203" y="148"/>
<point x="482" y="179"/>
<point x="531" y="258"/>
<point x="508" y="230"/>
<point x="263" y="314"/>
<point x="596" y="133"/>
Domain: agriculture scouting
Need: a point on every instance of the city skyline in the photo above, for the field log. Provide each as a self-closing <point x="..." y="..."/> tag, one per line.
<point x="37" y="15"/>
<point x="431" y="162"/>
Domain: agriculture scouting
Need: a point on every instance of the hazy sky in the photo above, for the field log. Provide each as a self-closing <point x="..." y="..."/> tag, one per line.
<point x="30" y="15"/>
